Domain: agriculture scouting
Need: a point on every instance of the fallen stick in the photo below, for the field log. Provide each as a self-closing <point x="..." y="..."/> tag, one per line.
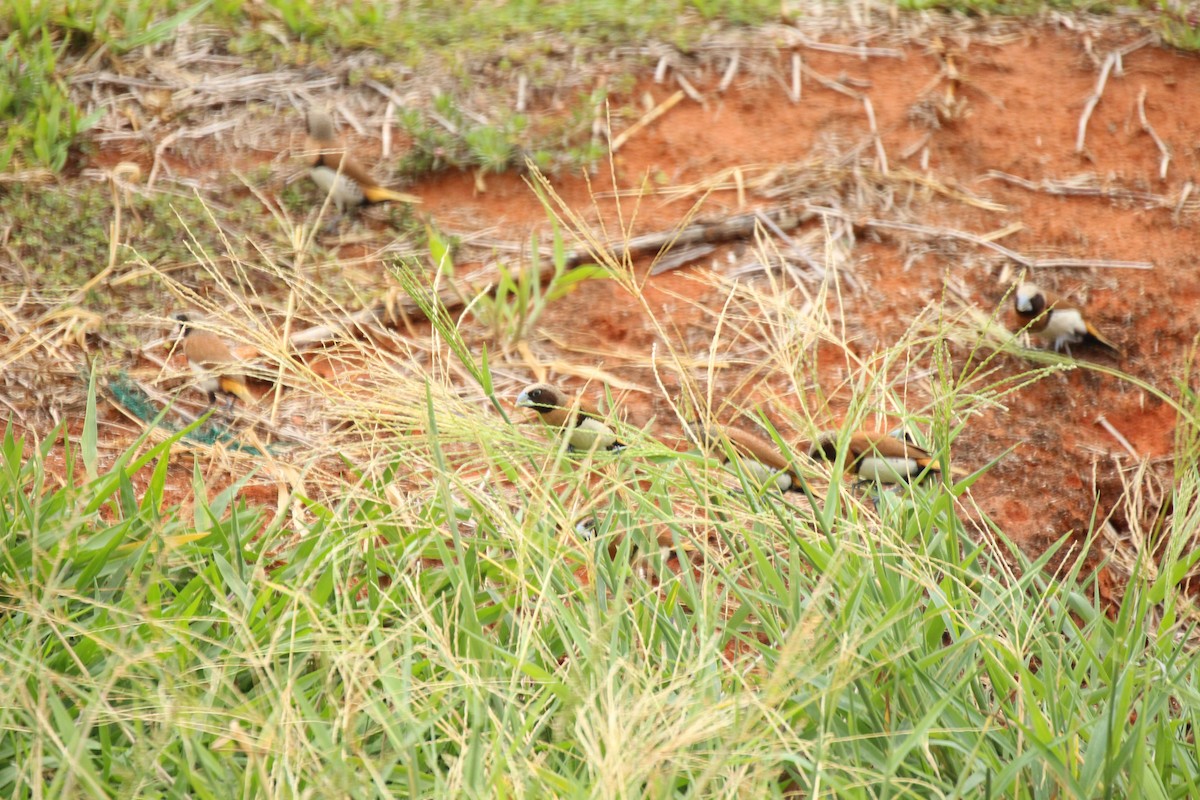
<point x="1165" y="154"/>
<point x="1023" y="260"/>
<point x="451" y="294"/>
<point x="1116" y="434"/>
<point x="647" y="119"/>
<point x="1110" y="61"/>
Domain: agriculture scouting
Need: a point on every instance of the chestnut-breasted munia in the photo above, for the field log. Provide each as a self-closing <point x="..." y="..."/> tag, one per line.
<point x="583" y="426"/>
<point x="213" y="363"/>
<point x="759" y="458"/>
<point x="877" y="457"/>
<point x="339" y="174"/>
<point x="1054" y="323"/>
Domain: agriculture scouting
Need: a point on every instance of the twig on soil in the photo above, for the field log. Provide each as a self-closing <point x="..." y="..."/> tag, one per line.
<point x="454" y="294"/>
<point x="385" y="137"/>
<point x="203" y="132"/>
<point x="1085" y="185"/>
<point x="797" y="85"/>
<point x="736" y="227"/>
<point x="1165" y="161"/>
<point x="1184" y="194"/>
<point x="730" y="71"/>
<point x="648" y="118"/>
<point x="860" y="50"/>
<point x="880" y="153"/>
<point x="1116" y="434"/>
<point x="1111" y="61"/>
<point x="1025" y="261"/>
<point x="796" y="249"/>
<point x="660" y="69"/>
<point x="1080" y="138"/>
<point x="687" y="87"/>
<point x="600" y="111"/>
<point x="829" y="83"/>
<point x="680" y="257"/>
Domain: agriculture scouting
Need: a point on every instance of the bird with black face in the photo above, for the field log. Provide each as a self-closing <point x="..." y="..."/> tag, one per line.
<point x="876" y="457"/>
<point x="1054" y="323"/>
<point x="583" y="426"/>
<point x="758" y="458"/>
<point x="212" y="361"/>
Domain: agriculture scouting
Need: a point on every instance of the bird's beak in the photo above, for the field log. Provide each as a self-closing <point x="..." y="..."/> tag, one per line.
<point x="523" y="401"/>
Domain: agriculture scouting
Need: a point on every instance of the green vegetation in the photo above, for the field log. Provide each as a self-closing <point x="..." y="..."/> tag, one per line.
<point x="42" y="42"/>
<point x="60" y="237"/>
<point x="40" y="120"/>
<point x="447" y="646"/>
<point x="427" y="617"/>
<point x="463" y="32"/>
<point x="1179" y="25"/>
<point x="512" y="306"/>
<point x="1000" y="7"/>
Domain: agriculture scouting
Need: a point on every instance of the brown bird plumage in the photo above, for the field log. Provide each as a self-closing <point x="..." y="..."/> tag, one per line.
<point x="584" y="426"/>
<point x="758" y="457"/>
<point x="877" y="457"/>
<point x="339" y="174"/>
<point x="1054" y="323"/>
<point x="209" y="358"/>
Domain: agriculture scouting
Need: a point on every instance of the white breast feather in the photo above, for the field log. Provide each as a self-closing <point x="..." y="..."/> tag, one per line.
<point x="590" y="433"/>
<point x="1066" y="326"/>
<point x="345" y="192"/>
<point x="887" y="470"/>
<point x="207" y="380"/>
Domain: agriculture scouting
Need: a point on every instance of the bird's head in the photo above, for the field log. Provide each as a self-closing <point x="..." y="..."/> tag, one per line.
<point x="1029" y="299"/>
<point x="541" y="397"/>
<point x="320" y="125"/>
<point x="824" y="447"/>
<point x="183" y="323"/>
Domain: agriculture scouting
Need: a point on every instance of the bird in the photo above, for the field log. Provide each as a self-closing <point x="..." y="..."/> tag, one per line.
<point x="1050" y="321"/>
<point x="208" y="357"/>
<point x="583" y="426"/>
<point x="338" y="173"/>
<point x="876" y="457"/>
<point x="759" y="458"/>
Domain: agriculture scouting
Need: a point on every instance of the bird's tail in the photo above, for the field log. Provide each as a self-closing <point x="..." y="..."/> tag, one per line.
<point x="377" y="194"/>
<point x="1095" y="336"/>
<point x="934" y="465"/>
<point x="237" y="388"/>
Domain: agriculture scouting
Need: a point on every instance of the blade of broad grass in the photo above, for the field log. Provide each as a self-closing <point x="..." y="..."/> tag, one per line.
<point x="88" y="449"/>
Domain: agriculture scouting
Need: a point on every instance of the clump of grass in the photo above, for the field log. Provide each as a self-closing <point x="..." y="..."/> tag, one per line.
<point x="1015" y="7"/>
<point x="61" y="236"/>
<point x="449" y="139"/>
<point x="418" y="31"/>
<point x="421" y="615"/>
<point x="511" y="306"/>
<point x="458" y="635"/>
<point x="41" y="121"/>
<point x="1179" y="25"/>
